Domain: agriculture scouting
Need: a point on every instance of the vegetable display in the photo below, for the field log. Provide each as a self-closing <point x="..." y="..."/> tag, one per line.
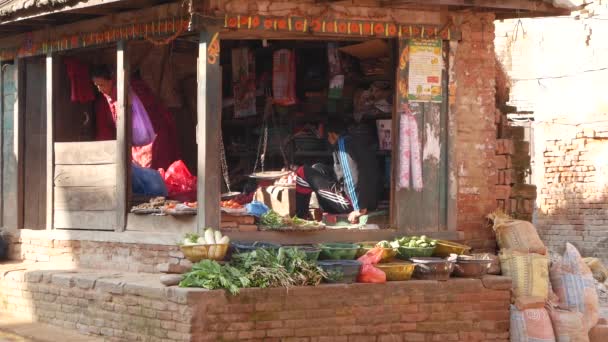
<point x="271" y="219"/>
<point x="412" y="242"/>
<point x="210" y="237"/>
<point x="260" y="268"/>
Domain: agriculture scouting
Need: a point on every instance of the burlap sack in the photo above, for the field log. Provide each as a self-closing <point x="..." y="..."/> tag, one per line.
<point x="568" y="326"/>
<point x="529" y="273"/>
<point x="516" y="235"/>
<point x="531" y="325"/>
<point x="573" y="283"/>
<point x="599" y="271"/>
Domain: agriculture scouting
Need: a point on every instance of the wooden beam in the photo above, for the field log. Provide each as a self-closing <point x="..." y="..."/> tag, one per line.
<point x="100" y="24"/>
<point x="19" y="138"/>
<point x="526" y="5"/>
<point x="50" y="157"/>
<point x="2" y="156"/>
<point x="208" y="129"/>
<point x="123" y="138"/>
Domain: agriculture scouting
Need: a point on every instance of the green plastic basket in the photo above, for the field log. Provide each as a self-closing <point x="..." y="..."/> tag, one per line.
<point x="405" y="253"/>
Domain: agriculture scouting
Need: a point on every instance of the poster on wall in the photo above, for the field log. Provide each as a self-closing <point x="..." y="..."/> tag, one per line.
<point x="243" y="82"/>
<point x="426" y="66"/>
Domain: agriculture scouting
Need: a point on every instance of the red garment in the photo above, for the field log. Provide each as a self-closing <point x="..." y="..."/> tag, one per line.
<point x="164" y="150"/>
<point x="82" y="87"/>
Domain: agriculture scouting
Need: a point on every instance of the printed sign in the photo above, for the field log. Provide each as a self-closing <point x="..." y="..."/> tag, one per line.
<point x="426" y="66"/>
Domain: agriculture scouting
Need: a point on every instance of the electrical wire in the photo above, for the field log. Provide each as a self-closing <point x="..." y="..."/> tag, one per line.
<point x="558" y="77"/>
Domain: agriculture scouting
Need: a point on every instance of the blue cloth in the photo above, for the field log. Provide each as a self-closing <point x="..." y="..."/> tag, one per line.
<point x="256" y="209"/>
<point x="147" y="182"/>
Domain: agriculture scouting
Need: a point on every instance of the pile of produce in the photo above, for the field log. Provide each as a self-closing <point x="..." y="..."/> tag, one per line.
<point x="231" y="204"/>
<point x="287" y="180"/>
<point x="243" y="198"/>
<point x="260" y="268"/>
<point x="210" y="237"/>
<point x="273" y="221"/>
<point x="410" y="242"/>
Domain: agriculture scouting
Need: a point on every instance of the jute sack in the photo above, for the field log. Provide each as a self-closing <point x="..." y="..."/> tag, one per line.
<point x="573" y="283"/>
<point x="531" y="325"/>
<point x="529" y="273"/>
<point x="600" y="272"/>
<point x="516" y="235"/>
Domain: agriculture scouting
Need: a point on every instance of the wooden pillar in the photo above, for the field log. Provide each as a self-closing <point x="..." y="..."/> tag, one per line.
<point x="208" y="128"/>
<point x="401" y="75"/>
<point x="50" y="140"/>
<point x="123" y="138"/>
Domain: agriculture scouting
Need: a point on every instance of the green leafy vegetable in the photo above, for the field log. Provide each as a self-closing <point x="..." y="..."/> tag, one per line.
<point x="210" y="275"/>
<point x="260" y="268"/>
<point x="271" y="219"/>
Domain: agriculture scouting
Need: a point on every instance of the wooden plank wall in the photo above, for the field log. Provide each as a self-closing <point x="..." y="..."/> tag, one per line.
<point x="85" y="185"/>
<point x="34" y="167"/>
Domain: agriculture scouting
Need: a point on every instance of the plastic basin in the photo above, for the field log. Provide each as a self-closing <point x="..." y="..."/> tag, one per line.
<point x="246" y="247"/>
<point x="338" y="251"/>
<point x="444" y="248"/>
<point x="312" y="252"/>
<point x="340" y="271"/>
<point x="406" y="253"/>
<point x="366" y="246"/>
<point x="397" y="271"/>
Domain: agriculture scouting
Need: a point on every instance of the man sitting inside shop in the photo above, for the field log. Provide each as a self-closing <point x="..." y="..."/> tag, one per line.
<point x="351" y="187"/>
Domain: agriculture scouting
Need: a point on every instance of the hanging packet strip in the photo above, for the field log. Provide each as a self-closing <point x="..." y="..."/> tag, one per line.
<point x="410" y="164"/>
<point x="284" y="77"/>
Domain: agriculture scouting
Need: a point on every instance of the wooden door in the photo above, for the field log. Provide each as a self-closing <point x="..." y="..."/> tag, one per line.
<point x="426" y="210"/>
<point x="34" y="148"/>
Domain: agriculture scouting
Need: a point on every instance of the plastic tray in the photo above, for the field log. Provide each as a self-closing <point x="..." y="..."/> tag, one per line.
<point x="312" y="252"/>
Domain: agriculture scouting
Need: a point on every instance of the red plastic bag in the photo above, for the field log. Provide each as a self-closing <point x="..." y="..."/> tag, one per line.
<point x="371" y="274"/>
<point x="372" y="257"/>
<point x="181" y="184"/>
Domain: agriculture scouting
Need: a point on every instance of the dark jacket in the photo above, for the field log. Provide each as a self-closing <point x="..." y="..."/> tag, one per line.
<point x="356" y="169"/>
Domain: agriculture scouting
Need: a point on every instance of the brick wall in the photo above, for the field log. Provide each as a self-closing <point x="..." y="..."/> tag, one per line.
<point x="573" y="197"/>
<point x="135" y="307"/>
<point x="475" y="138"/>
<point x="97" y="303"/>
<point x="457" y="310"/>
<point x="129" y="257"/>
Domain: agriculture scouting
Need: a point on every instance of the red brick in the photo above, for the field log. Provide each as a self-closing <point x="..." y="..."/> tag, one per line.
<point x="280" y="333"/>
<point x="497" y="282"/>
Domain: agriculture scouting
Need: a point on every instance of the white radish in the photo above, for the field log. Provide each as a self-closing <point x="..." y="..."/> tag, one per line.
<point x="217" y="236"/>
<point x="201" y="240"/>
<point x="209" y="237"/>
<point x="224" y="240"/>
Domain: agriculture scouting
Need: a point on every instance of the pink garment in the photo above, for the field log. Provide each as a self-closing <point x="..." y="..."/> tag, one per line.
<point x="82" y="87"/>
<point x="410" y="164"/>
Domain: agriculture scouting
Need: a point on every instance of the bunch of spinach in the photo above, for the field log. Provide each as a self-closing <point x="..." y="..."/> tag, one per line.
<point x="210" y="275"/>
<point x="260" y="268"/>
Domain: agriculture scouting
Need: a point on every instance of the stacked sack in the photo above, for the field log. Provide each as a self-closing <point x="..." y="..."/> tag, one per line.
<point x="539" y="314"/>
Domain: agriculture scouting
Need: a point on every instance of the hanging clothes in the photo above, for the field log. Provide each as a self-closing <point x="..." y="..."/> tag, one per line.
<point x="82" y="87"/>
<point x="163" y="151"/>
<point x="410" y="164"/>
